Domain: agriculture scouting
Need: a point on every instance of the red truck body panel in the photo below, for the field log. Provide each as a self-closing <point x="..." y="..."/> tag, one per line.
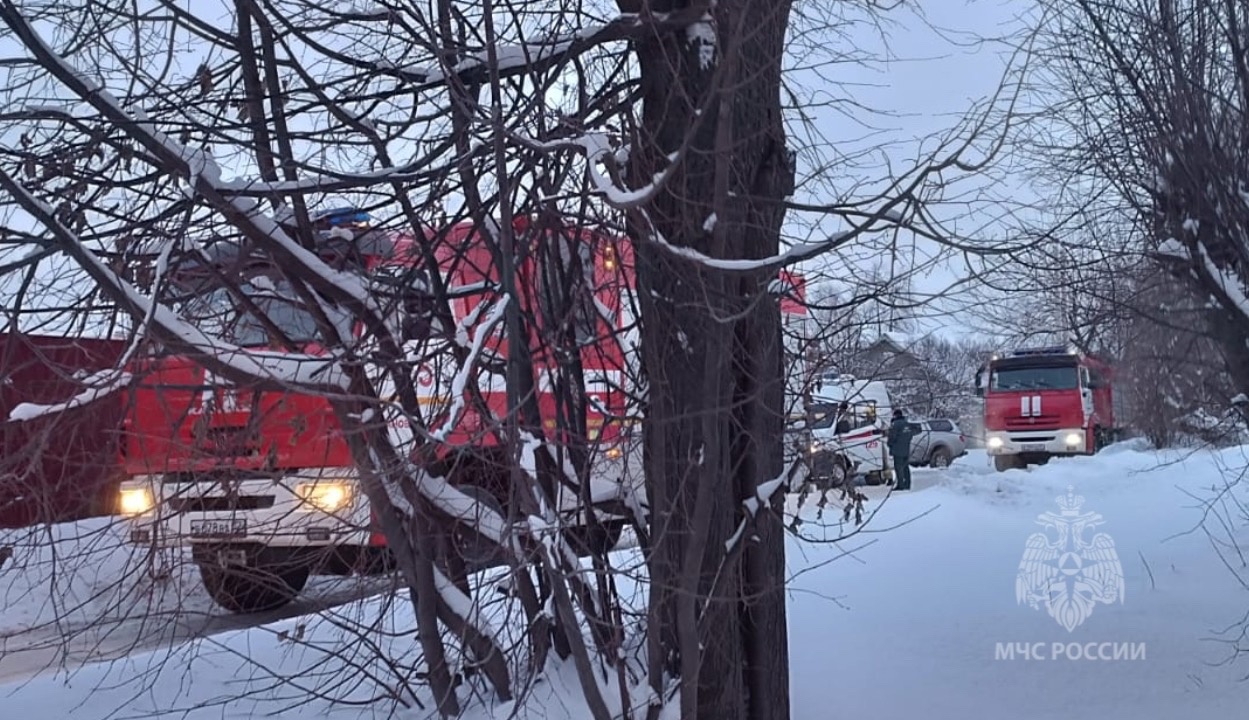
<point x="602" y="357"/>
<point x="169" y="432"/>
<point x="59" y="466"/>
<point x="1059" y="409"/>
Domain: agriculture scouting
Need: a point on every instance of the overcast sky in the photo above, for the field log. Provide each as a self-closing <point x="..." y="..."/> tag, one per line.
<point x="932" y="75"/>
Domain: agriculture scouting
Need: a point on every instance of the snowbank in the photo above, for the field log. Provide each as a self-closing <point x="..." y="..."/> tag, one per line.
<point x="906" y="620"/>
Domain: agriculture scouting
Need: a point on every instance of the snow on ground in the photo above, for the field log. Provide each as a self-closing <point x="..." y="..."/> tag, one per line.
<point x="906" y="619"/>
<point x="265" y="670"/>
<point x="909" y="625"/>
<point x="77" y="591"/>
<point x="74" y="573"/>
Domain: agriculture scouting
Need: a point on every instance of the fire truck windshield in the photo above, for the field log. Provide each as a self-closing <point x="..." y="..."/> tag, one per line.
<point x="1035" y="378"/>
<point x="217" y="313"/>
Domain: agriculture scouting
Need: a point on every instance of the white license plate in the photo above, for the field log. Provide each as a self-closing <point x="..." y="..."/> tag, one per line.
<point x="1032" y="447"/>
<point x="218" y="528"/>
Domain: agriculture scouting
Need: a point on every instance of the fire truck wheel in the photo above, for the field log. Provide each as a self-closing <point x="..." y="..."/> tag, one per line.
<point x="599" y="541"/>
<point x="245" y="590"/>
<point x="474" y="549"/>
<point x="1002" y="463"/>
<point x="1101" y="438"/>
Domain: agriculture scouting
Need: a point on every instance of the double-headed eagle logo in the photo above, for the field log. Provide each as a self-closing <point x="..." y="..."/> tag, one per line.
<point x="1067" y="574"/>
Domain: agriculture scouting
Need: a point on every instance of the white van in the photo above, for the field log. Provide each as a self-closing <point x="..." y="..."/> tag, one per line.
<point x="850" y="443"/>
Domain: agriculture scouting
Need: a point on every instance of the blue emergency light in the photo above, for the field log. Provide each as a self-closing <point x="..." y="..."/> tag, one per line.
<point x="338" y="217"/>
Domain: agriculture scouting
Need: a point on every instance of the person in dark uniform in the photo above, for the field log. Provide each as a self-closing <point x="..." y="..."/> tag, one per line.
<point x="843" y="419"/>
<point x="899" y="442"/>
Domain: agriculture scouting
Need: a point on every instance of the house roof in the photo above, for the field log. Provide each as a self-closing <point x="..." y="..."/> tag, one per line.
<point x="897" y="342"/>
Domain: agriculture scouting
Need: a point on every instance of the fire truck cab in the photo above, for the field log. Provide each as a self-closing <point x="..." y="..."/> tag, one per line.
<point x="1045" y="402"/>
<point x="260" y="485"/>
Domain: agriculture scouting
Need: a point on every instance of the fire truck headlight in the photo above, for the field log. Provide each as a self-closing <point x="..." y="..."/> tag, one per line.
<point x="135" y="501"/>
<point x="326" y="496"/>
<point x="1074" y="439"/>
<point x="995" y="442"/>
<point x="614" y="453"/>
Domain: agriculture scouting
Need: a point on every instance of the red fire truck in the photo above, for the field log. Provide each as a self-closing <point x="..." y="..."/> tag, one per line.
<point x="1045" y="402"/>
<point x="261" y="486"/>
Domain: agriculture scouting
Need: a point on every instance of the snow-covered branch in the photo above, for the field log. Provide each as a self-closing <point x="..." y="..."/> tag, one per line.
<point x="463" y="606"/>
<point x="202" y="172"/>
<point x="107" y="386"/>
<point x="1228" y="284"/>
<point x="541" y="55"/>
<point x="763" y="496"/>
<point x="460" y="381"/>
<point x="228" y="360"/>
<point x="596" y="146"/>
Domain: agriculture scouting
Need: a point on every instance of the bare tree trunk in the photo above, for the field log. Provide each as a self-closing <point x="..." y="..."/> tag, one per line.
<point x="711" y="349"/>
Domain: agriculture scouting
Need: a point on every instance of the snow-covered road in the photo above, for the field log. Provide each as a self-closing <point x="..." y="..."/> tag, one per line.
<point x="76" y="593"/>
<point x="923" y="620"/>
<point x="25" y="654"/>
<point x="80" y="595"/>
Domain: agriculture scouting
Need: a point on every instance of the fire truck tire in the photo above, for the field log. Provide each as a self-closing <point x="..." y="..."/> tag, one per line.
<point x="474" y="549"/>
<point x="1002" y="463"/>
<point x="1101" y="438"/>
<point x="599" y="541"/>
<point x="246" y="590"/>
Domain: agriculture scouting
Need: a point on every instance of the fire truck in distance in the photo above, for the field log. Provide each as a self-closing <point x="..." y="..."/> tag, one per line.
<point x="260" y="484"/>
<point x="1045" y="402"/>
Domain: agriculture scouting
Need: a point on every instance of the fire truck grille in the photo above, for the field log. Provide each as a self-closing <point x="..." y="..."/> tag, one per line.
<point x="211" y="477"/>
<point x="220" y="504"/>
<point x="1021" y="423"/>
